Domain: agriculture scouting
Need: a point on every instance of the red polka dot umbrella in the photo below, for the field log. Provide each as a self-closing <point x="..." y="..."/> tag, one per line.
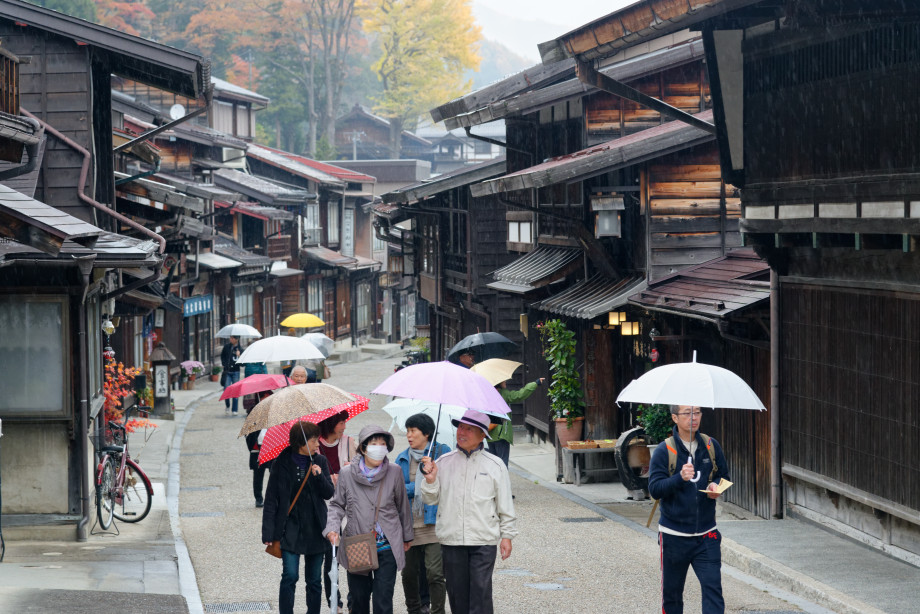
<point x="318" y="401"/>
<point x="277" y="437"/>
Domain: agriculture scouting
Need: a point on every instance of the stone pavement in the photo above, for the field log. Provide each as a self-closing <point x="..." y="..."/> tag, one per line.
<point x="581" y="548"/>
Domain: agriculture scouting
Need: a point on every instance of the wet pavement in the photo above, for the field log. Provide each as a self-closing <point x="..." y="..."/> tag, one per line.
<point x="580" y="549"/>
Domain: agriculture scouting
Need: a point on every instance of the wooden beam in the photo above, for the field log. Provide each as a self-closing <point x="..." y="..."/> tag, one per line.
<point x="28" y="234"/>
<point x="588" y="74"/>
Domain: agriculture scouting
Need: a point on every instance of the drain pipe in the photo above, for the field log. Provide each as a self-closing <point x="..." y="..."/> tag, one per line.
<point x="82" y="432"/>
<point x="776" y="482"/>
<point x="31" y="152"/>
<point x="84" y="171"/>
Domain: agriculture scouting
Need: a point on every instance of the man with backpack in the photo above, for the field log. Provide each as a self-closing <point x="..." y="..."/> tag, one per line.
<point x="687" y="463"/>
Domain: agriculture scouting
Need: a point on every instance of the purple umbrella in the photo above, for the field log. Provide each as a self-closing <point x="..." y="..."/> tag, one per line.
<point x="447" y="383"/>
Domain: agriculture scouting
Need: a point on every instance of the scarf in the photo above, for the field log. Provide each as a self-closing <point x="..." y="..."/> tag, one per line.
<point x="370" y="474"/>
<point x="418" y="508"/>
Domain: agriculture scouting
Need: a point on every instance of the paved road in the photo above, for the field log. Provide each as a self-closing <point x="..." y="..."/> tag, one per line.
<point x="567" y="558"/>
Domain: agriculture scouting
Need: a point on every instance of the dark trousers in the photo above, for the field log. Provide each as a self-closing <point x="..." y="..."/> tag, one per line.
<point x="424" y="559"/>
<point x="468" y="570"/>
<point x="327" y="583"/>
<point x="378" y="584"/>
<point x="231" y="377"/>
<point x="501" y="449"/>
<point x="677" y="555"/>
<point x="290" y="567"/>
<point x="258" y="477"/>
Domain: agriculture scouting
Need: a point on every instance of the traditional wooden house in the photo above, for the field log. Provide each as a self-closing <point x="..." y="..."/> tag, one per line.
<point x="362" y="135"/>
<point x="625" y="197"/>
<point x="338" y="247"/>
<point x="65" y="253"/>
<point x="456" y="240"/>
<point x="814" y="110"/>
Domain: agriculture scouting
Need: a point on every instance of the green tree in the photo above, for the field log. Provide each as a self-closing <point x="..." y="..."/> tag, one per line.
<point x="426" y="45"/>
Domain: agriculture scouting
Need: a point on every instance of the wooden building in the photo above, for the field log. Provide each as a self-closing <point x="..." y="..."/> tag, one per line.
<point x="66" y="257"/>
<point x="362" y="135"/>
<point x="814" y="111"/>
<point x="625" y="197"/>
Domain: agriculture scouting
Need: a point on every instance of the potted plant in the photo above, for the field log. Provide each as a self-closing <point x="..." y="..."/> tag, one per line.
<point x="215" y="373"/>
<point x="656" y="421"/>
<point x="567" y="403"/>
<point x="191" y="369"/>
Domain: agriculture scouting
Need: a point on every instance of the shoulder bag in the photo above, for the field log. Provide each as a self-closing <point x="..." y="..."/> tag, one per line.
<point x="327" y="372"/>
<point x="361" y="549"/>
<point x="274" y="548"/>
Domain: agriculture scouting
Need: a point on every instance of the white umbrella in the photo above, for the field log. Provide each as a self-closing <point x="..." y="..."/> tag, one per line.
<point x="322" y="342"/>
<point x="401" y="409"/>
<point x="238" y="330"/>
<point x="691" y="383"/>
<point x="280" y="348"/>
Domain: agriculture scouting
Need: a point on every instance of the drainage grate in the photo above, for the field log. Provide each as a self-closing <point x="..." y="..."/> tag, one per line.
<point x="197" y="453"/>
<point x="197" y="430"/>
<point x="197" y="488"/>
<point x="202" y="514"/>
<point x="589" y="519"/>
<point x="245" y="606"/>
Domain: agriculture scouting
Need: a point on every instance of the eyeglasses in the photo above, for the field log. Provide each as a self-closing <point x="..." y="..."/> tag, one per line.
<point x="695" y="414"/>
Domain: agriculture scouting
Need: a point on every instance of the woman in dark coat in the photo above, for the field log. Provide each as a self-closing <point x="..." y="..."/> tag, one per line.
<point x="301" y="532"/>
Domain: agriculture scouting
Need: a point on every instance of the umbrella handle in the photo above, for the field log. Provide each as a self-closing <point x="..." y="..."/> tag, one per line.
<point x="697" y="478"/>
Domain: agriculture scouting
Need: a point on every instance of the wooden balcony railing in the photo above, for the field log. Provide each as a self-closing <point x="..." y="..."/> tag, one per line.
<point x="279" y="247"/>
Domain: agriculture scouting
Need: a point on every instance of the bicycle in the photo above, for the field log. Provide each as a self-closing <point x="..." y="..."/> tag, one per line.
<point x="123" y="490"/>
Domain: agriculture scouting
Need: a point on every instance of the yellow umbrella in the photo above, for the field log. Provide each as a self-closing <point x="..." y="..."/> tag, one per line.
<point x="496" y="370"/>
<point x="302" y="320"/>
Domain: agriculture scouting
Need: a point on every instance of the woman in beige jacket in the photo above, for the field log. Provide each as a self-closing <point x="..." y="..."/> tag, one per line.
<point x="371" y="476"/>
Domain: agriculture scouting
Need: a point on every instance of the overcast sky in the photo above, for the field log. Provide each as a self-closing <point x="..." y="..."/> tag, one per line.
<point x="534" y="21"/>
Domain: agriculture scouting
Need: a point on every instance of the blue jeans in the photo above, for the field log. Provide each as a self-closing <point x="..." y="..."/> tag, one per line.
<point x="231" y="377"/>
<point x="313" y="572"/>
<point x="704" y="554"/>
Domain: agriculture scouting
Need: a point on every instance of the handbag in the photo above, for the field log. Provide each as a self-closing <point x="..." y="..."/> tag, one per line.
<point x="361" y="550"/>
<point x="327" y="372"/>
<point x="274" y="548"/>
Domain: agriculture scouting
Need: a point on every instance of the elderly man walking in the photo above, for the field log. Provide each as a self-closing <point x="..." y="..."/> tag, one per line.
<point x="476" y="513"/>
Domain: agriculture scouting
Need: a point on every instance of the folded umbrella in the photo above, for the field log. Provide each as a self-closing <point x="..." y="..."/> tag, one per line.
<point x="334" y="580"/>
<point x="259" y="382"/>
<point x="280" y="348"/>
<point x="277" y="438"/>
<point x="313" y="402"/>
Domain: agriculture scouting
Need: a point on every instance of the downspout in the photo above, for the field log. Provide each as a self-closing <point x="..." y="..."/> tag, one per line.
<point x="83" y="432"/>
<point x="776" y="484"/>
<point x="81" y="185"/>
<point x="31" y="153"/>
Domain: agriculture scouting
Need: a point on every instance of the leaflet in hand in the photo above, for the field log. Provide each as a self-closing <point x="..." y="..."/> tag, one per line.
<point x="721" y="487"/>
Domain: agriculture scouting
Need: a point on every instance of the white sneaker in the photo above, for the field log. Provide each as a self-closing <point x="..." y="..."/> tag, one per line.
<point x="226" y="411"/>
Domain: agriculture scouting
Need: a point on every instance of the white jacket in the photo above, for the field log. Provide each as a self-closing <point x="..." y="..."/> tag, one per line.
<point x="473" y="495"/>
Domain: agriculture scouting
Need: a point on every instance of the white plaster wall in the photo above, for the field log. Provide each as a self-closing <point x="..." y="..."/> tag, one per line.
<point x="34" y="467"/>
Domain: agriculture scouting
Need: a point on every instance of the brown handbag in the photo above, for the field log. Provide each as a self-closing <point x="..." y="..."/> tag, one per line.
<point x="274" y="548"/>
<point x="361" y="549"/>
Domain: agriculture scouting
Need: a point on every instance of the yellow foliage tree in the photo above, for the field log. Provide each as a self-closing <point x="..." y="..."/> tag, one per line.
<point x="426" y="46"/>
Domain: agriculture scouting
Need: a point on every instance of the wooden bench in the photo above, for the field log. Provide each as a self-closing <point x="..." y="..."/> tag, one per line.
<point x="570" y="464"/>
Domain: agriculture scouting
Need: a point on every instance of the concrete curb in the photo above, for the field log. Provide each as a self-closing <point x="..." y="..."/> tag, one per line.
<point x="740" y="563"/>
<point x="188" y="583"/>
<point x="779" y="575"/>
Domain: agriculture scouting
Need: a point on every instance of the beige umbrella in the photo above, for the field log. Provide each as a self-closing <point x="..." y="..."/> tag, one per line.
<point x="312" y="402"/>
<point x="496" y="370"/>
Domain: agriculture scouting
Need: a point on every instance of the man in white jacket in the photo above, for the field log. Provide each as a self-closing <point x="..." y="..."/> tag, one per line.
<point x="475" y="514"/>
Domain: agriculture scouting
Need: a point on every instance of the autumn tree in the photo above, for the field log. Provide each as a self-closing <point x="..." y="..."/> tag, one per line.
<point x="306" y="42"/>
<point x="425" y="47"/>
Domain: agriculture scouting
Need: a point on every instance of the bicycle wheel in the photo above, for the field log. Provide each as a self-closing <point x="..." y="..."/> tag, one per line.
<point x="105" y="493"/>
<point x="138" y="494"/>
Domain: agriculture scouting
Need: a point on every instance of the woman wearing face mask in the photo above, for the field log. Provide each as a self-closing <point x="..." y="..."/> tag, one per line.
<point x="298" y="528"/>
<point x="355" y="500"/>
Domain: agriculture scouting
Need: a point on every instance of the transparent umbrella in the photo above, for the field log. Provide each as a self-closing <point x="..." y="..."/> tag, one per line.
<point x="238" y="330"/>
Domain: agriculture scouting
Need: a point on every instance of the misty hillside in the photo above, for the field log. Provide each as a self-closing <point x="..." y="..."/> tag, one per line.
<point x="498" y="61"/>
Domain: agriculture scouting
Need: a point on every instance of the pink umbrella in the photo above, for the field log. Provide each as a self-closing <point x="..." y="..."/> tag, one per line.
<point x="447" y="383"/>
<point x="276" y="438"/>
<point x="258" y="382"/>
